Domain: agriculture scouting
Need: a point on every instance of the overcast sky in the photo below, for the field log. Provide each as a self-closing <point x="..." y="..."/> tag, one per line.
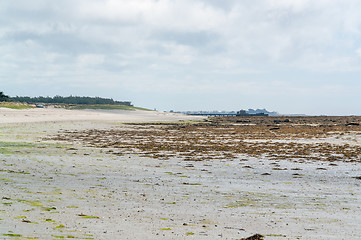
<point x="299" y="56"/>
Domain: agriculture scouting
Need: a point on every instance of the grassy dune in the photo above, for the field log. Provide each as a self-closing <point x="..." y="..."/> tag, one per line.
<point x="14" y="105"/>
<point x="108" y="107"/>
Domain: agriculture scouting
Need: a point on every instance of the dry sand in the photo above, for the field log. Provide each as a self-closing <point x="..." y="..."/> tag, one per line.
<point x="60" y="114"/>
<point x="53" y="190"/>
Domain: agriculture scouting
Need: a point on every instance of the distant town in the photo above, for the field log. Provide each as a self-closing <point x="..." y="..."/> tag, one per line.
<point x="249" y="112"/>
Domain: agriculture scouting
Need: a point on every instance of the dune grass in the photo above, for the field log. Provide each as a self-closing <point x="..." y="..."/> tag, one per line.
<point x="108" y="107"/>
<point x="14" y="105"/>
<point x="17" y="105"/>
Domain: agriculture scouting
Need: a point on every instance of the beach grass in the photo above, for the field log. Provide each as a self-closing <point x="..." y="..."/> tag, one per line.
<point x="108" y="107"/>
<point x="19" y="106"/>
<point x="14" y="105"/>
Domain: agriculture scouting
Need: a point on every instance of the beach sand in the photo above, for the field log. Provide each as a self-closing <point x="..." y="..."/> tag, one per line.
<point x="62" y="115"/>
<point x="54" y="189"/>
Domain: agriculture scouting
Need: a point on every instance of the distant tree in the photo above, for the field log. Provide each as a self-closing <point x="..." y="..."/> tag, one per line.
<point x="3" y="97"/>
<point x="71" y="100"/>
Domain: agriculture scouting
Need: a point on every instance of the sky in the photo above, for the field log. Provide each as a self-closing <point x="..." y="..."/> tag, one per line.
<point x="299" y="56"/>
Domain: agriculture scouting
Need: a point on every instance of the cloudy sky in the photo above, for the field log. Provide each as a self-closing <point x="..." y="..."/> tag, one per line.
<point x="299" y="56"/>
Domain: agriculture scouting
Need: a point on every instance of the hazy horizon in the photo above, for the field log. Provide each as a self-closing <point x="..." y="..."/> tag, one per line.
<point x="293" y="57"/>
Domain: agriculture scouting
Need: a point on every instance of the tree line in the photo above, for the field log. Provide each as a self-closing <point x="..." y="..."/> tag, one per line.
<point x="65" y="100"/>
<point x="3" y="97"/>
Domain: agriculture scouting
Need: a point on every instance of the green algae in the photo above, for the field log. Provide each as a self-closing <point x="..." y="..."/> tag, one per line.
<point x="72" y="206"/>
<point x="48" y="208"/>
<point x="48" y="220"/>
<point x="29" y="202"/>
<point x="87" y="216"/>
<point x="6" y="180"/>
<point x="58" y="236"/>
<point x="12" y="235"/>
<point x="60" y="226"/>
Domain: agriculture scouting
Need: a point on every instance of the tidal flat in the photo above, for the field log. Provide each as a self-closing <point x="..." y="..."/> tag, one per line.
<point x="219" y="178"/>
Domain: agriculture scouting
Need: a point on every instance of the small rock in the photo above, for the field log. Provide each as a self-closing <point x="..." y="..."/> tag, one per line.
<point x="352" y="124"/>
<point x="254" y="237"/>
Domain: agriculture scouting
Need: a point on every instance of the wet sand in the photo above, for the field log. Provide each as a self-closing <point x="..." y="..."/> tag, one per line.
<point x="56" y="183"/>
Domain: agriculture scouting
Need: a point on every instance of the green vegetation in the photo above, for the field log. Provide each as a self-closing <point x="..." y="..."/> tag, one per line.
<point x="49" y="220"/>
<point x="72" y="206"/>
<point x="12" y="235"/>
<point x="49" y="208"/>
<point x="21" y="144"/>
<point x="56" y="236"/>
<point x="70" y="100"/>
<point x="3" y="97"/>
<point x="14" y="147"/>
<point x="87" y="216"/>
<point x="59" y="226"/>
<point x="14" y="105"/>
<point x="31" y="203"/>
<point x="107" y="107"/>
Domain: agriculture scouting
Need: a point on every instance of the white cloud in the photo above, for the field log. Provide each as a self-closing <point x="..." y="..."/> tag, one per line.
<point x="184" y="15"/>
<point x="358" y="51"/>
<point x="86" y="60"/>
<point x="190" y="44"/>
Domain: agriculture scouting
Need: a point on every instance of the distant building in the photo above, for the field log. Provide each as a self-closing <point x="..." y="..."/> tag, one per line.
<point x="244" y="113"/>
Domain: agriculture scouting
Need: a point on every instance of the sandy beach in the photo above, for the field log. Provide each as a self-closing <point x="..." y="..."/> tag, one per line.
<point x="77" y="174"/>
<point x="63" y="115"/>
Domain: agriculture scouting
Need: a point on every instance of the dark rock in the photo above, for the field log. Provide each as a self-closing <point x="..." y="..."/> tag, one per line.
<point x="254" y="237"/>
<point x="352" y="124"/>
